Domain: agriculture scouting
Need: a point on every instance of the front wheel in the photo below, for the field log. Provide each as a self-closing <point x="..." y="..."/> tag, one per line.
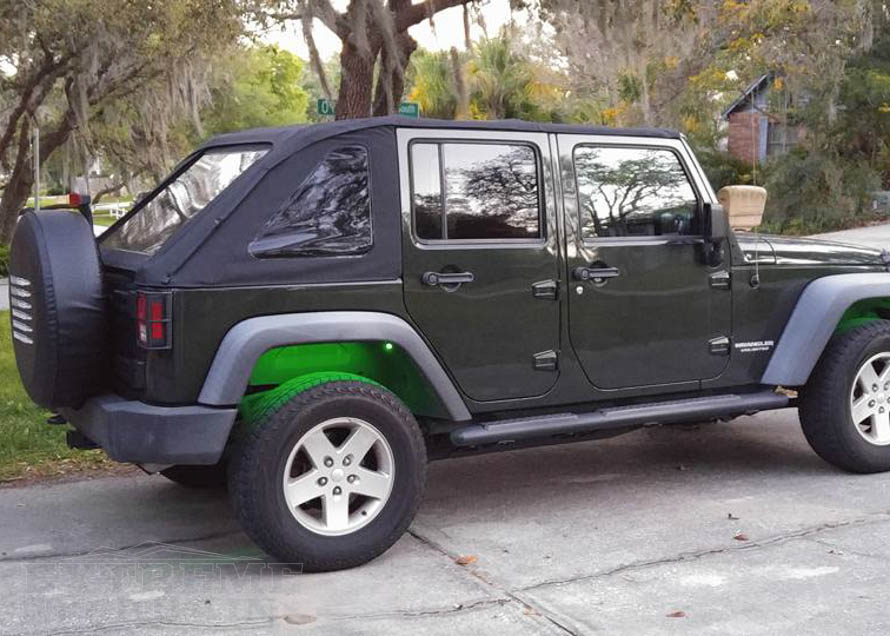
<point x="845" y="406"/>
<point x="332" y="478"/>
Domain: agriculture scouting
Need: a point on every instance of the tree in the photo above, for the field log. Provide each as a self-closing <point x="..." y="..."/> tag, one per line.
<point x="71" y="61"/>
<point x="375" y="42"/>
<point x="258" y="87"/>
<point x="502" y="79"/>
<point x="432" y="79"/>
<point x="623" y="49"/>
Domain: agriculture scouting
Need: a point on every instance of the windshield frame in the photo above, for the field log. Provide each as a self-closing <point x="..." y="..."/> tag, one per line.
<point x="131" y="258"/>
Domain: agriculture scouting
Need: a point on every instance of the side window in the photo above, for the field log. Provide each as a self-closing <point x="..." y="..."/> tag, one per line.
<point x="475" y="191"/>
<point x="328" y="215"/>
<point x="633" y="192"/>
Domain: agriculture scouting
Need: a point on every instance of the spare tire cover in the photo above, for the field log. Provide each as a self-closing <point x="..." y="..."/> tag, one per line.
<point x="57" y="308"/>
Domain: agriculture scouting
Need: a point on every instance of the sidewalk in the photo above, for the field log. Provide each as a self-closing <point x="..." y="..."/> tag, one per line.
<point x="4" y="294"/>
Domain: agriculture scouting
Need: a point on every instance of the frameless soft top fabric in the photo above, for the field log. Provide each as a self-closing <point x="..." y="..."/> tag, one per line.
<point x="212" y="249"/>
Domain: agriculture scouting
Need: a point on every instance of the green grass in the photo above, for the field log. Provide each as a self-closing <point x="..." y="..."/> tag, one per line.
<point x="29" y="447"/>
<point x="103" y="219"/>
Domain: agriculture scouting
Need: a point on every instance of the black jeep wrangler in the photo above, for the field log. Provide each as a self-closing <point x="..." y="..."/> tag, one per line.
<point x="310" y="313"/>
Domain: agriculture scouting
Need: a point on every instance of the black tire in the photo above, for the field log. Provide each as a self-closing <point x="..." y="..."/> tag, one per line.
<point x="198" y="477"/>
<point x="260" y="457"/>
<point x="57" y="308"/>
<point x="825" y="412"/>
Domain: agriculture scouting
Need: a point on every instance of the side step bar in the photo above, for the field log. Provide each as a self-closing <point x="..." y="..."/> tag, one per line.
<point x="618" y="417"/>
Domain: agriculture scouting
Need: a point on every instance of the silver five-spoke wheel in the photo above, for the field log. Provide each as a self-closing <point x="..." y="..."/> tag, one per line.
<point x="870" y="400"/>
<point x="338" y="476"/>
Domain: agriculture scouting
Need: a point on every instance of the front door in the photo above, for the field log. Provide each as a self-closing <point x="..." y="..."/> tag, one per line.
<point x="480" y="263"/>
<point x="645" y="308"/>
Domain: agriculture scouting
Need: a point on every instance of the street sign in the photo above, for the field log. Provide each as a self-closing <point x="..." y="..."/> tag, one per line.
<point x="328" y="108"/>
<point x="325" y="106"/>
<point x="410" y="109"/>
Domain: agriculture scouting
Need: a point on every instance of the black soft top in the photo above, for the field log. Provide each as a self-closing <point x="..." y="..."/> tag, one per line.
<point x="289" y="139"/>
<point x="211" y="249"/>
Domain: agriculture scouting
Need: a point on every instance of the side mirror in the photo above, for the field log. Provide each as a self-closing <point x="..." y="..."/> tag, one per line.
<point x="716" y="223"/>
<point x="744" y="205"/>
<point x="716" y="232"/>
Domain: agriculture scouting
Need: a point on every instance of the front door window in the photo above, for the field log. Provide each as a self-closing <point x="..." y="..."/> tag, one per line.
<point x="633" y="192"/>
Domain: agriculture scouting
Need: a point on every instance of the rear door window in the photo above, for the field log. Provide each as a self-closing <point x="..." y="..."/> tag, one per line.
<point x="184" y="196"/>
<point x="476" y="192"/>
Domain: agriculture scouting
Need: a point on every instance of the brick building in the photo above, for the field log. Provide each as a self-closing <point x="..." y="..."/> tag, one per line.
<point x="757" y="121"/>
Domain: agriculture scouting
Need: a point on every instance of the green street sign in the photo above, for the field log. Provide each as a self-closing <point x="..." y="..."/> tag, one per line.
<point x="328" y="108"/>
<point x="409" y="109"/>
<point x="325" y="106"/>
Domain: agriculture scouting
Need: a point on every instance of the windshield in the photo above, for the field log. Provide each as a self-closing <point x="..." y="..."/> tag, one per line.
<point x="181" y="199"/>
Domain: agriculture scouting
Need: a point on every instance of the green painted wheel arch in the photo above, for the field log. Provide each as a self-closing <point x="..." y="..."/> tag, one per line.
<point x="257" y="406"/>
<point x="283" y="371"/>
<point x="863" y="312"/>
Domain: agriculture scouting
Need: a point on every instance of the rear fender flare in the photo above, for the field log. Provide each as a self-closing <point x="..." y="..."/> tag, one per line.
<point x="244" y="343"/>
<point x="814" y="320"/>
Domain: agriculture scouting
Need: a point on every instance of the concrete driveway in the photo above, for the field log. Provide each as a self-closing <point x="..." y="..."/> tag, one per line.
<point x="873" y="236"/>
<point x="728" y="528"/>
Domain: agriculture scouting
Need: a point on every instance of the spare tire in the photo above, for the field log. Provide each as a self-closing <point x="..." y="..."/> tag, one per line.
<point x="57" y="308"/>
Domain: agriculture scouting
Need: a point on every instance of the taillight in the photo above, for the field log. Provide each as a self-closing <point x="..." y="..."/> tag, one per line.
<point x="154" y="319"/>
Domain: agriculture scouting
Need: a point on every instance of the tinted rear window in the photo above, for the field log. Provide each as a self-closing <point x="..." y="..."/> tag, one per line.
<point x="181" y="199"/>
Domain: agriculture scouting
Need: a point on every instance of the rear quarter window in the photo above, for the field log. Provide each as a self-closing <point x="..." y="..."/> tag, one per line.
<point x="329" y="214"/>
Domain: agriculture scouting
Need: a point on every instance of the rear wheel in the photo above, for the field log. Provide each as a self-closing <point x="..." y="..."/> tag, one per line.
<point x="845" y="406"/>
<point x="331" y="478"/>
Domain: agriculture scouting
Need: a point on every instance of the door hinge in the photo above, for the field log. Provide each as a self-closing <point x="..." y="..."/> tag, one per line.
<point x="545" y="289"/>
<point x="720" y="280"/>
<point x="546" y="361"/>
<point x="719" y="346"/>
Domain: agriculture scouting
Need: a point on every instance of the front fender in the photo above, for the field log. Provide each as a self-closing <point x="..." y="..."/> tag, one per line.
<point x="814" y="320"/>
<point x="244" y="343"/>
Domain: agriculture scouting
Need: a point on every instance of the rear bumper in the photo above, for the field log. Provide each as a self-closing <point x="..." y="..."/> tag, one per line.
<point x="141" y="433"/>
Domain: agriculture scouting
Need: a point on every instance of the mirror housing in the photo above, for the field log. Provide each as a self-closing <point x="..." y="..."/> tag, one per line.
<point x="744" y="205"/>
<point x="716" y="232"/>
<point x="716" y="223"/>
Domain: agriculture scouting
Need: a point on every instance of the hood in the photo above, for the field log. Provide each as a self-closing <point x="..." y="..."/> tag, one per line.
<point x="795" y="250"/>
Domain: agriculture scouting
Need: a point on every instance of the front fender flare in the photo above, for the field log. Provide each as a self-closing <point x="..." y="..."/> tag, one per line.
<point x="244" y="343"/>
<point x="813" y="321"/>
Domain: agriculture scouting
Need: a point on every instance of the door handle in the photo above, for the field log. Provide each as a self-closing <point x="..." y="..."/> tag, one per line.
<point x="447" y="278"/>
<point x="595" y="273"/>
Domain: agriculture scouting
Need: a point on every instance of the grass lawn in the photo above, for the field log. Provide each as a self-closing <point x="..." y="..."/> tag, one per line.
<point x="28" y="446"/>
<point x="103" y="219"/>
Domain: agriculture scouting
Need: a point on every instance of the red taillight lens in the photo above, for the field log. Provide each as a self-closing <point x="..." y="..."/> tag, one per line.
<point x="153" y="319"/>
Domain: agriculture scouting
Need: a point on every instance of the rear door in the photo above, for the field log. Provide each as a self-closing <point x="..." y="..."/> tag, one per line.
<point x="645" y="309"/>
<point x="480" y="256"/>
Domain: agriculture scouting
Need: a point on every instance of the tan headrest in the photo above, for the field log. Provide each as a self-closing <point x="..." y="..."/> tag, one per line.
<point x="743" y="204"/>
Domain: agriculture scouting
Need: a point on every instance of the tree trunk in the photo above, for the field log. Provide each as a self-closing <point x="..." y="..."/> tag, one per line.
<point x="19" y="186"/>
<point x="391" y="76"/>
<point x="18" y="189"/>
<point x="356" y="83"/>
<point x="460" y="85"/>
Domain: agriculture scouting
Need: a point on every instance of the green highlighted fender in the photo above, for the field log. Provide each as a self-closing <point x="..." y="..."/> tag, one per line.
<point x="281" y="373"/>
<point x="863" y="312"/>
<point x="255" y="406"/>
